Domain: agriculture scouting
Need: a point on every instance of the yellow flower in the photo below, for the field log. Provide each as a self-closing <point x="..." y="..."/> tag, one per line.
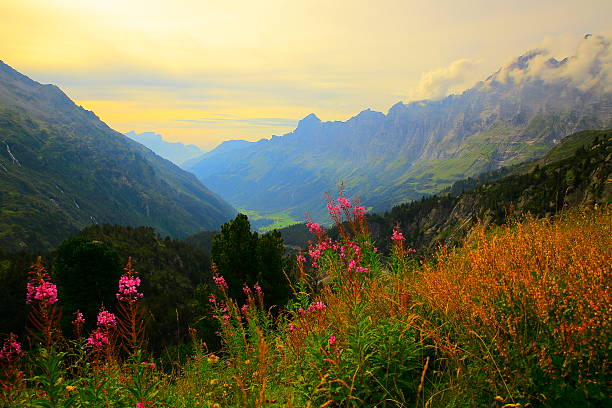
<point x="212" y="359"/>
<point x="215" y="405"/>
<point x="214" y="381"/>
<point x="247" y="362"/>
<point x="499" y="399"/>
<point x="70" y="388"/>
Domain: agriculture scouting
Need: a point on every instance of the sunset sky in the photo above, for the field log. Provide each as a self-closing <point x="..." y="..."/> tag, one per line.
<point x="202" y="71"/>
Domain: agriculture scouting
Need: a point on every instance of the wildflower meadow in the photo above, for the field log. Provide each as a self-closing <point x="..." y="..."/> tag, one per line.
<point x="517" y="316"/>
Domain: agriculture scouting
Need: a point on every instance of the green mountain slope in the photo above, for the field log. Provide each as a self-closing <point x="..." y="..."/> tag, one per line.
<point x="62" y="169"/>
<point x="577" y="172"/>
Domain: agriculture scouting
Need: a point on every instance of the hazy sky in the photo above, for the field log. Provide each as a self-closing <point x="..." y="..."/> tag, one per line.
<point x="202" y="71"/>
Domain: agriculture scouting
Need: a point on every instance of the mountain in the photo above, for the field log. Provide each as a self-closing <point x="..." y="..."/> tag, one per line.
<point x="176" y="152"/>
<point x="575" y="173"/>
<point x="62" y="169"/>
<point x="224" y="147"/>
<point x="419" y="148"/>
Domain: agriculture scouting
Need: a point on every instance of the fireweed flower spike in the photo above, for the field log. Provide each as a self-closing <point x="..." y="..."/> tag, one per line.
<point x="106" y="319"/>
<point x="130" y="323"/>
<point x="128" y="285"/>
<point x="41" y="293"/>
<point x="11" y="349"/>
<point x="397" y="235"/>
<point x="77" y="323"/>
<point x="220" y="282"/>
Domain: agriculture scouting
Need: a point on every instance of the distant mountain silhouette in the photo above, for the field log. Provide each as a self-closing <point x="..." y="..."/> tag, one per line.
<point x="178" y="153"/>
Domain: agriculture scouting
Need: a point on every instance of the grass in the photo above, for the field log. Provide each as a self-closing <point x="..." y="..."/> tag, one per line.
<point x="518" y="316"/>
<point x="266" y="222"/>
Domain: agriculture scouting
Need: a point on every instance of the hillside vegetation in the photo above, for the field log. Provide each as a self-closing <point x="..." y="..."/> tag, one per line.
<point x="518" y="316"/>
<point x="575" y="173"/>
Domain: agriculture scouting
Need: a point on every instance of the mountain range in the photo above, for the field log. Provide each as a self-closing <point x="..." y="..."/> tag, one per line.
<point x="178" y="153"/>
<point x="575" y="173"/>
<point x="62" y="169"/>
<point x="419" y="148"/>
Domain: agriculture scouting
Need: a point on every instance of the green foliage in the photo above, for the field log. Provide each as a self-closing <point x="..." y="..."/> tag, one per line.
<point x="50" y="380"/>
<point x="245" y="257"/>
<point x="86" y="273"/>
<point x="13" y="277"/>
<point x="234" y="252"/>
<point x="170" y="271"/>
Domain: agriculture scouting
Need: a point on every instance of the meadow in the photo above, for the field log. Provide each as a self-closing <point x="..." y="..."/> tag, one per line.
<point x="517" y="316"/>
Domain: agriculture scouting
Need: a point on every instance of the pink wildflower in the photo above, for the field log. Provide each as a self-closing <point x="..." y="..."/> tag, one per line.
<point x="334" y="210"/>
<point x="98" y="339"/>
<point x="246" y="290"/>
<point x="397" y="235"/>
<point x="258" y="290"/>
<point x="220" y="282"/>
<point x="11" y="349"/>
<point x="344" y="203"/>
<point x="358" y="211"/>
<point x="78" y="324"/>
<point x="291" y="327"/>
<point x="128" y="288"/>
<point x="45" y="292"/>
<point x="106" y="319"/>
<point x="317" y="306"/>
<point x="314" y="228"/>
<point x="79" y="318"/>
<point x="332" y="340"/>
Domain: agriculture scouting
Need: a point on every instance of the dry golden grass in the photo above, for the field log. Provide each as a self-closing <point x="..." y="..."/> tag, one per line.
<point x="543" y="285"/>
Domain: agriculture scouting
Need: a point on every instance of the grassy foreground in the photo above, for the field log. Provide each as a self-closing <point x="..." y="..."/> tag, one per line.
<point x="519" y="316"/>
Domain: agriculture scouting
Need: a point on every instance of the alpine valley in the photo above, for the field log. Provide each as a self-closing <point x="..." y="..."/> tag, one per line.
<point x="516" y="114"/>
<point x="63" y="169"/>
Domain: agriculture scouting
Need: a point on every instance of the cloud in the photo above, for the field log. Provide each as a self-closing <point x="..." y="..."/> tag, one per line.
<point x="441" y="82"/>
<point x="590" y="66"/>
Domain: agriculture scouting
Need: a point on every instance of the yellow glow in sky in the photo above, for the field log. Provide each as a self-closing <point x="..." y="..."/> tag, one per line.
<point x="202" y="71"/>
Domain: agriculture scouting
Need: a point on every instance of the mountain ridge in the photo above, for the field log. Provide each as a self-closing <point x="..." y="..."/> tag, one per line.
<point x="64" y="169"/>
<point x="177" y="152"/>
<point x="418" y="148"/>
